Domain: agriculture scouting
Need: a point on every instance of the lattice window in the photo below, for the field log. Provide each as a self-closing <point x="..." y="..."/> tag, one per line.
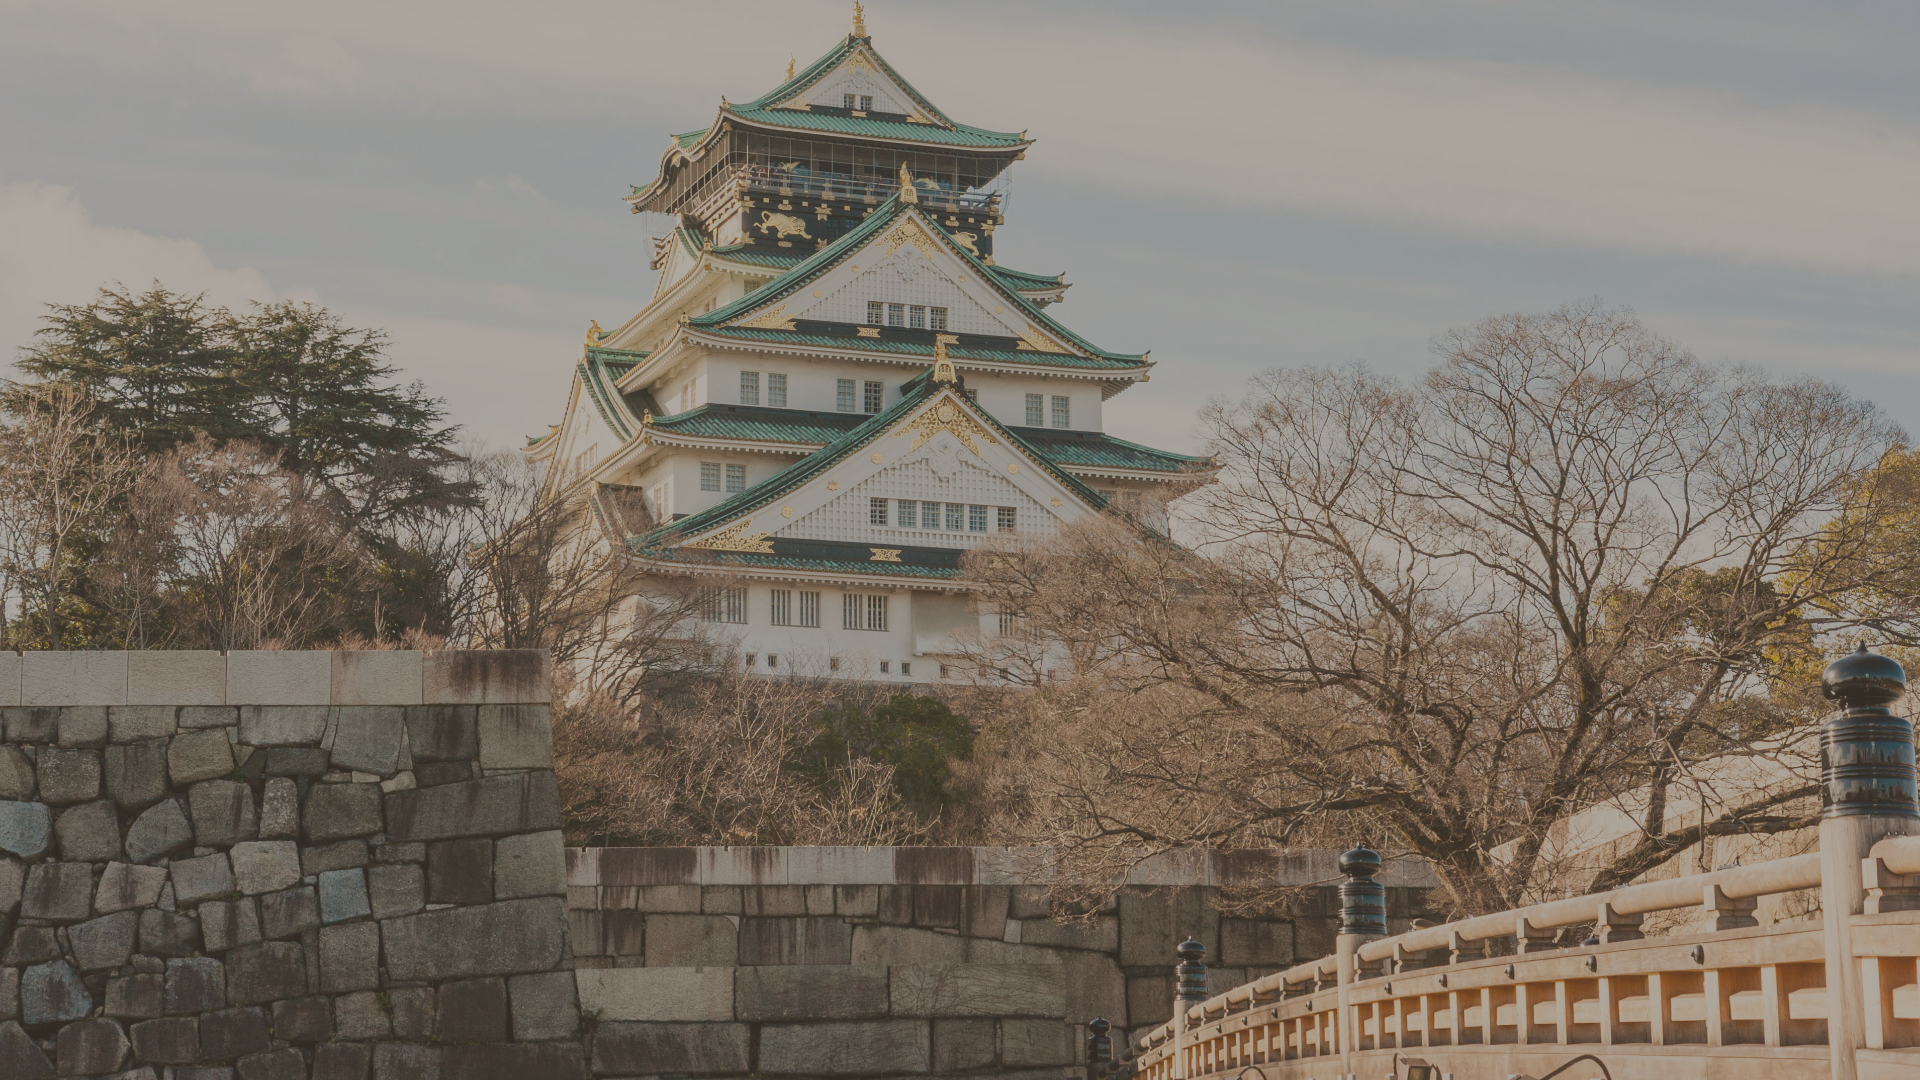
<point x="976" y="519"/>
<point x="954" y="512"/>
<point x="876" y="511"/>
<point x="917" y="317"/>
<point x="777" y="391"/>
<point x="876" y="312"/>
<point x="936" y="318"/>
<point x="843" y="395"/>
<point x="1061" y="415"/>
<point x="1005" y="517"/>
<point x="907" y="514"/>
<point x="1036" y="410"/>
<point x="896" y="314"/>
<point x="846" y="101"/>
<point x="875" y="397"/>
<point x="736" y="478"/>
<point x="750" y="388"/>
<point x="929" y="515"/>
<point x="709" y="476"/>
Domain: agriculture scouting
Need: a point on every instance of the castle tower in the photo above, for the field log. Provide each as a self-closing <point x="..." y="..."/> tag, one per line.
<point x="835" y="390"/>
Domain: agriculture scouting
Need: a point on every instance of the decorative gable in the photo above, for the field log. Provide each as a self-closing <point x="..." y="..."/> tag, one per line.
<point x="872" y="88"/>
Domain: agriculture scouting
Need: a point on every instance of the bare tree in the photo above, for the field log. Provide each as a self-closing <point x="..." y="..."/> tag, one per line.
<point x="1569" y="565"/>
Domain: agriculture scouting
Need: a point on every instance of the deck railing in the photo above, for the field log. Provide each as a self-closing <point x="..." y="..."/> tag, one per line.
<point x="1505" y="997"/>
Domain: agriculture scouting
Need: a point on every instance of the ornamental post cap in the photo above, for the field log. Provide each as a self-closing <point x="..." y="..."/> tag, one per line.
<point x="859" y="20"/>
<point x="1099" y="1026"/>
<point x="1863" y="679"/>
<point x="1190" y="951"/>
<point x="1360" y="862"/>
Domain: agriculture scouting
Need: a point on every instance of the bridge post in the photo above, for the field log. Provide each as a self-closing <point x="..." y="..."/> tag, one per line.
<point x="1363" y="917"/>
<point x="1867" y="779"/>
<point x="1099" y="1049"/>
<point x="1189" y="989"/>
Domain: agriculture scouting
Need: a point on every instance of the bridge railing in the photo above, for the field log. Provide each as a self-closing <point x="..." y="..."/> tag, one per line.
<point x="1837" y="995"/>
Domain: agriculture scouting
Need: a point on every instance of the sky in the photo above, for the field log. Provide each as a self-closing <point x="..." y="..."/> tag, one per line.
<point x="1234" y="186"/>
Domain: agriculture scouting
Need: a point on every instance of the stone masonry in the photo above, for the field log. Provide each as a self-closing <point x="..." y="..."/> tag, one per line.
<point x="282" y="866"/>
<point x="896" y="962"/>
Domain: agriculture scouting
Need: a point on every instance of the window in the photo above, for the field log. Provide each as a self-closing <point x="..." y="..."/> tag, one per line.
<point x="906" y="667"/>
<point x="876" y="312"/>
<point x="896" y="314"/>
<point x="749" y="388"/>
<point x="876" y="511"/>
<point x="1004" y="514"/>
<point x="833" y="663"/>
<point x="917" y="317"/>
<point x="773" y="661"/>
<point x="750" y="659"/>
<point x="723" y="605"/>
<point x="943" y="671"/>
<point x="709" y="476"/>
<point x="866" y="102"/>
<point x="976" y="519"/>
<point x="929" y="515"/>
<point x="809" y="609"/>
<point x="1009" y="622"/>
<point x="1061" y="418"/>
<point x="1107" y="493"/>
<point x="846" y="101"/>
<point x="954" y="516"/>
<point x="876" y="396"/>
<point x="1036" y="410"/>
<point x="777" y="391"/>
<point x="936" y="318"/>
<point x="884" y="666"/>
<point x="907" y="514"/>
<point x="736" y="478"/>
<point x="863" y="611"/>
<point x="783" y="607"/>
<point x="843" y="395"/>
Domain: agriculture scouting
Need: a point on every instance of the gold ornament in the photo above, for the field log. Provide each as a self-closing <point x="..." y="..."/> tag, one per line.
<point x="909" y="232"/>
<point x="943" y="367"/>
<point x="735" y="538"/>
<point x="833" y="485"/>
<point x="770" y="320"/>
<point x="948" y="417"/>
<point x="1056" y="500"/>
<point x="786" y="511"/>
<point x="907" y="194"/>
<point x="1013" y="467"/>
<point x="859" y="20"/>
<point x="877" y="458"/>
<point x="885" y="554"/>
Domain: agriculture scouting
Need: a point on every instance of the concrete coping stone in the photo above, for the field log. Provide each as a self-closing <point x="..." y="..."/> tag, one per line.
<point x="201" y="679"/>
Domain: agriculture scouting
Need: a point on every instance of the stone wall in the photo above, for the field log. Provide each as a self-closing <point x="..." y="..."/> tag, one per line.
<point x="281" y="866"/>
<point x="831" y="962"/>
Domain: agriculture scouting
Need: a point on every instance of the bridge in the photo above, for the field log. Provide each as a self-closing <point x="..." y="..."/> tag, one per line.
<point x="1496" y="997"/>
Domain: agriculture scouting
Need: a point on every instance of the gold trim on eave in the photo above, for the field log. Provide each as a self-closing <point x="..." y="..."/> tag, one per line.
<point x="885" y="554"/>
<point x="770" y="320"/>
<point x="735" y="538"/>
<point x="948" y="417"/>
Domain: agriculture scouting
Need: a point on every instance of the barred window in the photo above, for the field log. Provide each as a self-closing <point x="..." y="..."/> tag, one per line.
<point x="1060" y="415"/>
<point x="877" y="611"/>
<point x="773" y="660"/>
<point x="929" y="515"/>
<point x="876" y="312"/>
<point x="709" y="476"/>
<point x="955" y="516"/>
<point x="723" y="605"/>
<point x="843" y="395"/>
<point x="884" y="664"/>
<point x="1036" y="410"/>
<point x="863" y="611"/>
<point x="783" y="607"/>
<point x="936" y="318"/>
<point x="896" y="314"/>
<point x="777" y="391"/>
<point x="1009" y="622"/>
<point x="976" y="519"/>
<point x="1005" y="516"/>
<point x="906" y="667"/>
<point x="833" y="663"/>
<point x="809" y="609"/>
<point x="876" y="396"/>
<point x="876" y="511"/>
<point x="736" y="478"/>
<point x="846" y="101"/>
<point x="750" y="660"/>
<point x="917" y="317"/>
<point x="907" y="514"/>
<point x="749" y="388"/>
<point x="866" y="102"/>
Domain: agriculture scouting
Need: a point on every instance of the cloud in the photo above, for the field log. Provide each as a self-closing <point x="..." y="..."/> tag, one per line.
<point x="53" y="252"/>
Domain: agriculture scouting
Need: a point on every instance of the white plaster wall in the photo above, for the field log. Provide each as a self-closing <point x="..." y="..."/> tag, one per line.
<point x="808" y="651"/>
<point x="813" y="385"/>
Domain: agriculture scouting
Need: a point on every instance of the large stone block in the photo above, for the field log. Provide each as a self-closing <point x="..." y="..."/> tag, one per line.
<point x="89" y="832"/>
<point x="19" y="1057"/>
<point x="342" y="1061"/>
<point x="194" y="717"/>
<point x="68" y="776"/>
<point x="963" y="1044"/>
<point x="1095" y="987"/>
<point x="308" y="761"/>
<point x="367" y="738"/>
<point x="845" y="1048"/>
<point x="136" y="773"/>
<point x="412" y="1009"/>
<point x="83" y="726"/>
<point x="262" y="866"/>
<point x="485" y="1062"/>
<point x="195" y="984"/>
<point x="978" y="990"/>
<point x="545" y="1006"/>
<point x="691" y="941"/>
<point x="9" y="677"/>
<point x="507" y="938"/>
<point x="193" y="756"/>
<point x="1037" y="1043"/>
<point x="339" y="811"/>
<point x="840" y="866"/>
<point x="161" y="830"/>
<point x="16" y="774"/>
<point x="26" y="828"/>
<point x="339" y="856"/>
<point x="283" y="725"/>
<point x="629" y="1049"/>
<point x="1149" y="998"/>
<point x="460" y="872"/>
<point x="1100" y="934"/>
<point x="35" y="725"/>
<point x="473" y="1011"/>
<point x="634" y="867"/>
<point x="159" y="677"/>
<point x="200" y="879"/>
<point x="32" y="945"/>
<point x="91" y="1047"/>
<point x="105" y="943"/>
<point x="533" y="864"/>
<point x="280" y="809"/>
<point x="624" y="933"/>
<point x="343" y="895"/>
<point x="1153" y="920"/>
<point x="443" y="733"/>
<point x="377" y="677"/>
<point x="267" y="972"/>
<point x="233" y="1033"/>
<point x="350" y="956"/>
<point x="493" y="677"/>
<point x="858" y="992"/>
<point x="58" y="892"/>
<point x="405" y="1061"/>
<point x="285" y="1063"/>
<point x="279" y="678"/>
<point x="172" y="1041"/>
<point x="13" y="879"/>
<point x="137" y="997"/>
<point x="53" y="993"/>
<point x="73" y="678"/>
<point x="516" y="737"/>
<point x="307" y="1019"/>
<point x="821" y="940"/>
<point x="772" y="900"/>
<point x="140" y="723"/>
<point x="226" y="925"/>
<point x="360" y="1016"/>
<point x="1256" y="943"/>
<point x="288" y="913"/>
<point x="983" y="910"/>
<point x="396" y="889"/>
<point x="657" y="993"/>
<point x="901" y="945"/>
<point x="167" y="933"/>
<point x="222" y="812"/>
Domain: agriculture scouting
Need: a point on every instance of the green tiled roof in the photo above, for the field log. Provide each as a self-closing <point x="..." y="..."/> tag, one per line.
<point x="759" y="256"/>
<point x="791" y="562"/>
<point x="868" y="127"/>
<point x="760" y="424"/>
<point x="882" y="217"/>
<point x="1020" y="279"/>
<point x="598" y="373"/>
<point x="910" y="348"/>
<point x="688" y="138"/>
<point x="1093" y="448"/>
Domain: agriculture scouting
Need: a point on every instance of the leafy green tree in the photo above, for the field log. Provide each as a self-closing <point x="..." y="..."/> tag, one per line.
<point x="919" y="736"/>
